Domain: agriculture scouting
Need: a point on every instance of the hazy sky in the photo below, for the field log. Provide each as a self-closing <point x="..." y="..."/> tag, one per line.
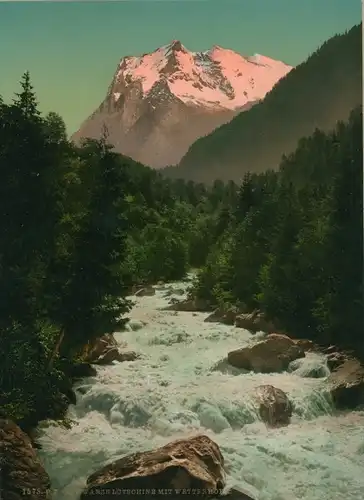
<point x="72" y="48"/>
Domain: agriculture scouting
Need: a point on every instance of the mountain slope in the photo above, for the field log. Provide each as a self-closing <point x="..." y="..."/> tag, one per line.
<point x="158" y="104"/>
<point x="315" y="94"/>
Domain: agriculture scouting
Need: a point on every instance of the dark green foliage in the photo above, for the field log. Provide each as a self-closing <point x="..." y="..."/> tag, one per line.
<point x="175" y="223"/>
<point x="344" y="244"/>
<point x="92" y="298"/>
<point x="315" y="94"/>
<point x="157" y="253"/>
<point x="79" y="227"/>
<point x="295" y="247"/>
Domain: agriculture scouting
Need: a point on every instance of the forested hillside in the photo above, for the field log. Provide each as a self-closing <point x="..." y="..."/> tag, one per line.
<point x="315" y="94"/>
<point x="79" y="227"/>
<point x="294" y="245"/>
<point x="82" y="225"/>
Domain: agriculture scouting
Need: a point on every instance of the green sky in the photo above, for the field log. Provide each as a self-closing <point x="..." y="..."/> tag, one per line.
<point x="72" y="48"/>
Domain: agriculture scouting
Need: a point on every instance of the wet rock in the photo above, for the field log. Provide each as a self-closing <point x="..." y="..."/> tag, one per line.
<point x="114" y="354"/>
<point x="147" y="291"/>
<point x="22" y="473"/>
<point x="246" y="321"/>
<point x="110" y="339"/>
<point x="307" y="345"/>
<point x="275" y="408"/>
<point x="335" y="359"/>
<point x="129" y="356"/>
<point x="255" y="322"/>
<point x="273" y="354"/>
<point x="108" y="357"/>
<point x="189" y="305"/>
<point x="98" y="347"/>
<point x="194" y="463"/>
<point x="346" y="384"/>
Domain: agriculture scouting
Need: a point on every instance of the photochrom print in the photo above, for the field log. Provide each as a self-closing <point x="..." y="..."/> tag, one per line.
<point x="181" y="250"/>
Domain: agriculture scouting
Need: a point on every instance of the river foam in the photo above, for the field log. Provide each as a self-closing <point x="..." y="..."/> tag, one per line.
<point x="181" y="386"/>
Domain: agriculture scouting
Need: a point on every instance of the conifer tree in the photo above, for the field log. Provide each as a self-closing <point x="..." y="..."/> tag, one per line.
<point x="26" y="100"/>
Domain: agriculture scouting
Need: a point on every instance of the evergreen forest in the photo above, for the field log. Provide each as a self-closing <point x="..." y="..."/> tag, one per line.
<point x="80" y="226"/>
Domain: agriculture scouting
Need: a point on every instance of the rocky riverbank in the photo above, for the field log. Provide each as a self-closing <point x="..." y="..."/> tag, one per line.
<point x="162" y="464"/>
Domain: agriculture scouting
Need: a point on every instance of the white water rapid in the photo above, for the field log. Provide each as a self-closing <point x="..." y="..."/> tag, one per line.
<point x="174" y="391"/>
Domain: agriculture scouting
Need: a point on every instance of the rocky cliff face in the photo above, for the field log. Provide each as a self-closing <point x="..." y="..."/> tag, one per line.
<point x="158" y="104"/>
<point x="22" y="473"/>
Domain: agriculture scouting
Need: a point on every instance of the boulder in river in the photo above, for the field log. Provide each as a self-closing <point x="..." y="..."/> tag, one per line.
<point x="335" y="359"/>
<point x="275" y="408"/>
<point x="307" y="345"/>
<point x="273" y="354"/>
<point x="194" y="463"/>
<point x="189" y="305"/>
<point x="254" y="321"/>
<point x="97" y="347"/>
<point x="22" y="473"/>
<point x="114" y="354"/>
<point x="347" y="384"/>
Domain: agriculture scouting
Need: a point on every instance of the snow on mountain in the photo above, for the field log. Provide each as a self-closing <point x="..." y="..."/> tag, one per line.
<point x="159" y="103"/>
<point x="218" y="76"/>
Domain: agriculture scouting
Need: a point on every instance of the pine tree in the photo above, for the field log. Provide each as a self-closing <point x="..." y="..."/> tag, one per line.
<point x="55" y="128"/>
<point x="26" y="100"/>
<point x="93" y="302"/>
<point x="27" y="203"/>
<point x="340" y="309"/>
<point x="246" y="198"/>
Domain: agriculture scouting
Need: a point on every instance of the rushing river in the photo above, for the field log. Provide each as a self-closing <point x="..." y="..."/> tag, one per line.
<point x="175" y="391"/>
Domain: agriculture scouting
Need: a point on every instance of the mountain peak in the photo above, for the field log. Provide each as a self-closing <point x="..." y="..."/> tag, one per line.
<point x="160" y="102"/>
<point x="176" y="46"/>
<point x="219" y="77"/>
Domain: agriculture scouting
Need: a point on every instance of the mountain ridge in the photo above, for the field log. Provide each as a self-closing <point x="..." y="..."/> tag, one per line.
<point x="159" y="103"/>
<point x="316" y="94"/>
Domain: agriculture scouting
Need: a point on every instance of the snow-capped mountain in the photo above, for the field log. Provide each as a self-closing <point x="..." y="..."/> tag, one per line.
<point x="159" y="103"/>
